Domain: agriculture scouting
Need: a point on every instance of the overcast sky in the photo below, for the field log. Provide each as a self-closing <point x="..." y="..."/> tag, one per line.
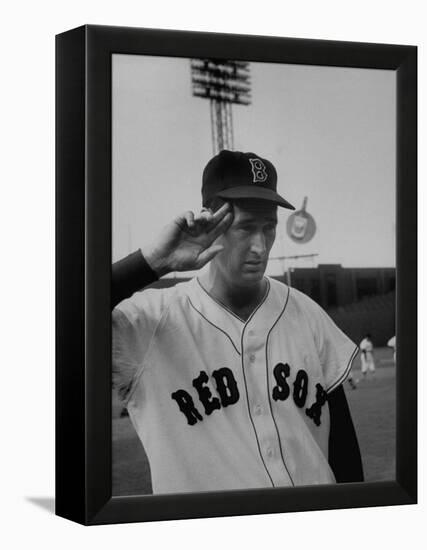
<point x="329" y="131"/>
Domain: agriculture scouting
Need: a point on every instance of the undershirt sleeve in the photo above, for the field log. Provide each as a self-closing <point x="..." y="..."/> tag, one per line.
<point x="129" y="275"/>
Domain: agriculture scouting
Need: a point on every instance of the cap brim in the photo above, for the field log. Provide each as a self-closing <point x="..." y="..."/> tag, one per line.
<point x="254" y="192"/>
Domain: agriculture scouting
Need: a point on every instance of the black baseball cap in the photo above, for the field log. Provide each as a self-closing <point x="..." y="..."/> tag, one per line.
<point x="236" y="175"/>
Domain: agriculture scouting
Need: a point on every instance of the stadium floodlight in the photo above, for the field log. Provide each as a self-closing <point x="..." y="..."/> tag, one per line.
<point x="223" y="82"/>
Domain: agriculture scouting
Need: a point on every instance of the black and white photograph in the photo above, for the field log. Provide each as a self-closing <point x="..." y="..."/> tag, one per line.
<point x="253" y="275"/>
<point x="213" y="270"/>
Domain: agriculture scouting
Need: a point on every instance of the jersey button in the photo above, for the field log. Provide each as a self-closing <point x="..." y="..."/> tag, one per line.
<point x="270" y="452"/>
<point x="258" y="410"/>
<point x="252" y="358"/>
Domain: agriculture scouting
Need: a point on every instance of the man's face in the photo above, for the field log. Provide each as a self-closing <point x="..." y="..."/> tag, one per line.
<point x="247" y="242"/>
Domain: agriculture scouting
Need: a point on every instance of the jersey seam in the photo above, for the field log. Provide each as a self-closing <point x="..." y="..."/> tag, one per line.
<point x="345" y="373"/>
<point x="268" y="387"/>
<point x="213" y="324"/>
<point x="218" y="303"/>
<point x="245" y="384"/>
<point x="229" y="311"/>
<point x="251" y="316"/>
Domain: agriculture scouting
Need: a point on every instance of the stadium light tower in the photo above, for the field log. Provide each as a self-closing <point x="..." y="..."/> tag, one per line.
<point x="223" y="82"/>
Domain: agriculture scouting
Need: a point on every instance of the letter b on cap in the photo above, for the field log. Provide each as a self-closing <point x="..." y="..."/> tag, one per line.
<point x="258" y="170"/>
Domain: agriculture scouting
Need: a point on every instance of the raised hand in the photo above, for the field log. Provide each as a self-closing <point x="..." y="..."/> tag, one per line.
<point x="188" y="242"/>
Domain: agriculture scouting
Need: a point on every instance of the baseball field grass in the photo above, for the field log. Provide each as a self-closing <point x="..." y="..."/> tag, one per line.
<point x="372" y="404"/>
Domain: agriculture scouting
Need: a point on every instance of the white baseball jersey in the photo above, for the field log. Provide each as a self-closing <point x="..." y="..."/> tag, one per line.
<point x="220" y="403"/>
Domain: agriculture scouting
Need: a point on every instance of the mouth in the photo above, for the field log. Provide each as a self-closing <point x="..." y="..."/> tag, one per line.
<point x="255" y="264"/>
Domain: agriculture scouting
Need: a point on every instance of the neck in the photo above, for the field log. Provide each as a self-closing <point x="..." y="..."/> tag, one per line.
<point x="241" y="299"/>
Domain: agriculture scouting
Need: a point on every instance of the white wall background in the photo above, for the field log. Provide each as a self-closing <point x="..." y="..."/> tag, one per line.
<point x="27" y="286"/>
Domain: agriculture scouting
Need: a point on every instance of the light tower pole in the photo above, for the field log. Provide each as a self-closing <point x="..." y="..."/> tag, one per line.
<point x="223" y="82"/>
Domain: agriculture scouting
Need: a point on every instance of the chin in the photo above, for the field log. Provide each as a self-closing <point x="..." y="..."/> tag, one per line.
<point x="251" y="278"/>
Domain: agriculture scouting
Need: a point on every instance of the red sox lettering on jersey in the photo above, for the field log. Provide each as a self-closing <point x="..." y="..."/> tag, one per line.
<point x="219" y="403"/>
<point x="228" y="392"/>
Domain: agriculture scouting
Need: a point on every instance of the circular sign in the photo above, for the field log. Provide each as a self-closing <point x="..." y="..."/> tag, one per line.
<point x="301" y="226"/>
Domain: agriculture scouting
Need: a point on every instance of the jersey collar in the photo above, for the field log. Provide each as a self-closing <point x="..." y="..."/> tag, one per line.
<point x="262" y="320"/>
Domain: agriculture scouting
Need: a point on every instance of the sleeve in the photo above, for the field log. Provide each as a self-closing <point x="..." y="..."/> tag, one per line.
<point x="127" y="352"/>
<point x="335" y="349"/>
<point x="129" y="275"/>
<point x="336" y="352"/>
<point x="344" y="451"/>
<point x="134" y="322"/>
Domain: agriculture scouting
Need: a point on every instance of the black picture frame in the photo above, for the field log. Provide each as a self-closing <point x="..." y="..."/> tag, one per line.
<point x="83" y="274"/>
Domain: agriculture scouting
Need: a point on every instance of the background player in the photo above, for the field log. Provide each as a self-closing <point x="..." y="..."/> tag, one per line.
<point x="232" y="380"/>
<point x="367" y="355"/>
<point x="392" y="344"/>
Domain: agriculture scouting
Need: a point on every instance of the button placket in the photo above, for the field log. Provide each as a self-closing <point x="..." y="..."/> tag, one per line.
<point x="255" y="360"/>
<point x="258" y="410"/>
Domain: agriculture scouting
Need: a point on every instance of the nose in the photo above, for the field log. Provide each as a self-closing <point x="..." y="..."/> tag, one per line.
<point x="258" y="245"/>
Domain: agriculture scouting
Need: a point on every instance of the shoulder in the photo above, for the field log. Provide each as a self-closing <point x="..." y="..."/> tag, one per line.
<point x="152" y="302"/>
<point x="277" y="288"/>
<point x="303" y="309"/>
<point x="295" y="298"/>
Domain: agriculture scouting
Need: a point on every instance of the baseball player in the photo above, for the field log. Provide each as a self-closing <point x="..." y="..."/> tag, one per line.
<point x="392" y="344"/>
<point x="232" y="380"/>
<point x="367" y="355"/>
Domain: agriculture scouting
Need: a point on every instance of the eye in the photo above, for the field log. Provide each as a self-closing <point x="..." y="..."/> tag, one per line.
<point x="270" y="227"/>
<point x="246" y="228"/>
